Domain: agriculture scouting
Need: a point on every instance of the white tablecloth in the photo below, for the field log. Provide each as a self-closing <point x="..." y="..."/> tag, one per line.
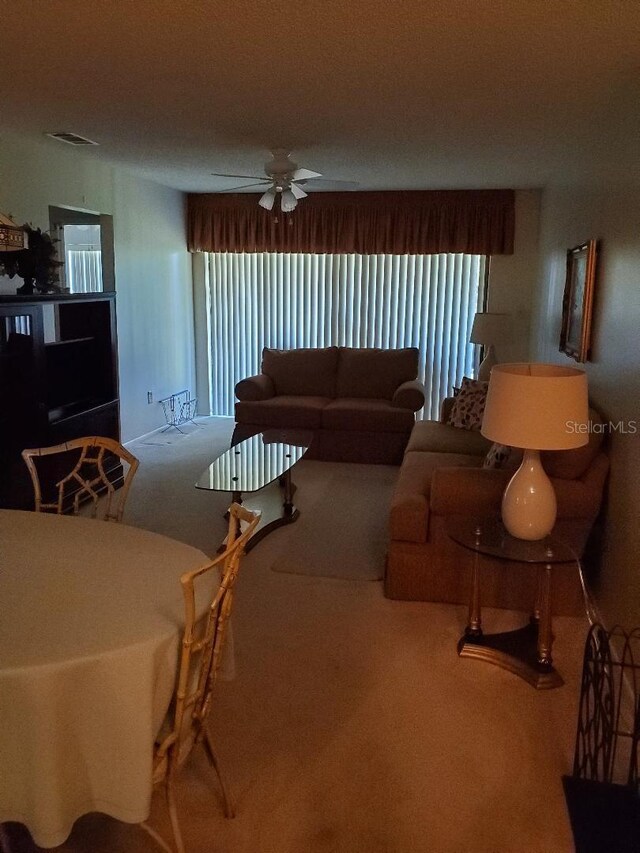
<point x="90" y="619"/>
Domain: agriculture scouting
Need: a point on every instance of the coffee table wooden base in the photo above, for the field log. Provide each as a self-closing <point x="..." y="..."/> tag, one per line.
<point x="268" y="525"/>
<point x="515" y="651"/>
<point x="275" y="503"/>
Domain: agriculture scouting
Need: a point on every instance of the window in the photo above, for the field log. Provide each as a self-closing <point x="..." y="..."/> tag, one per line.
<point x="82" y="258"/>
<point x="306" y="300"/>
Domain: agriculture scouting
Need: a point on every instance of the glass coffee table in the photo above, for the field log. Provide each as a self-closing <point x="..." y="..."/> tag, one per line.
<point x="255" y="463"/>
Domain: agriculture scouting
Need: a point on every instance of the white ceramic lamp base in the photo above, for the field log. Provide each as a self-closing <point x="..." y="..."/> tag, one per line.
<point x="489" y="360"/>
<point x="529" y="505"/>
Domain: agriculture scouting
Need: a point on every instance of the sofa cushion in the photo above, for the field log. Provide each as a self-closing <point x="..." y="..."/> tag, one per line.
<point x="572" y="464"/>
<point x="302" y="372"/>
<point x="283" y="411"/>
<point x="468" y="404"/>
<point x="346" y="413"/>
<point x="374" y="373"/>
<point x="436" y="437"/>
<point x="408" y="520"/>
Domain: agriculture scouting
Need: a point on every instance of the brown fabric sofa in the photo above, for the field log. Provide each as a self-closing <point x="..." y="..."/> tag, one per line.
<point x="441" y="478"/>
<point x="360" y="403"/>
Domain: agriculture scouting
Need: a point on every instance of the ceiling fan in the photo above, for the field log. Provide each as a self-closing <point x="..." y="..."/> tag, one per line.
<point x="284" y="179"/>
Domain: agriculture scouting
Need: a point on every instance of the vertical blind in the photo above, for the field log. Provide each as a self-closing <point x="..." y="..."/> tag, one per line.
<point x="83" y="270"/>
<point x="306" y="300"/>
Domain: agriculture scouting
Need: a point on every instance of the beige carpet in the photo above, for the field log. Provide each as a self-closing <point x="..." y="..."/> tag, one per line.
<point x="173" y="435"/>
<point x="342" y="530"/>
<point x="352" y="725"/>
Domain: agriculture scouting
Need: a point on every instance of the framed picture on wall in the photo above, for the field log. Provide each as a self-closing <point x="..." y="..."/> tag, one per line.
<point x="575" y="332"/>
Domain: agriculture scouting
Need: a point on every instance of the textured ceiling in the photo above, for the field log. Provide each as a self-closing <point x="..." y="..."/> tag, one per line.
<point x="414" y="94"/>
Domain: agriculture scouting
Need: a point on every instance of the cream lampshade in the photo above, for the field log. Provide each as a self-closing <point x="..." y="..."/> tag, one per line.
<point x="488" y="327"/>
<point x="535" y="407"/>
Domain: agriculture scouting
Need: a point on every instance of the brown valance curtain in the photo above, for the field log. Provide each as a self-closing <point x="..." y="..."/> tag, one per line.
<point x="366" y="223"/>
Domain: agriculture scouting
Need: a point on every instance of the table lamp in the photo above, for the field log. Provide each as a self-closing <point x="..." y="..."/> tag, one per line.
<point x="488" y="327"/>
<point x="535" y="407"/>
<point x="13" y="237"/>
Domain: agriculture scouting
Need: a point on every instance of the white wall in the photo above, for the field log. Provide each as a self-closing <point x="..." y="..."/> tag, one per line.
<point x="153" y="268"/>
<point x="609" y="212"/>
<point x="514" y="279"/>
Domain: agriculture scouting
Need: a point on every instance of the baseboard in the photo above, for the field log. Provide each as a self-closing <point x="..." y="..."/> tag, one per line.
<point x="164" y="426"/>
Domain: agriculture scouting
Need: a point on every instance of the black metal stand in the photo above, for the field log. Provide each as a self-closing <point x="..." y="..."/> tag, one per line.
<point x="603" y="793"/>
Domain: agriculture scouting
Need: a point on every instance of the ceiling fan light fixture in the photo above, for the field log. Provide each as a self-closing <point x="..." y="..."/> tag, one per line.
<point x="288" y="201"/>
<point x="284" y="178"/>
<point x="268" y="199"/>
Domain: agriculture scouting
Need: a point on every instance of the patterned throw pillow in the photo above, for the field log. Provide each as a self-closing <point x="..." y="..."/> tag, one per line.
<point x="497" y="455"/>
<point x="468" y="405"/>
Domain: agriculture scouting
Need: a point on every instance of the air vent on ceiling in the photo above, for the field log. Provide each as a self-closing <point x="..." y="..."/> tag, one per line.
<point x="72" y="138"/>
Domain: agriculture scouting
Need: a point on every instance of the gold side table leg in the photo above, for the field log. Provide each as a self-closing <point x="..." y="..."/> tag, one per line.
<point x="544" y="624"/>
<point x="535" y="616"/>
<point x="474" y="626"/>
<point x="468" y="644"/>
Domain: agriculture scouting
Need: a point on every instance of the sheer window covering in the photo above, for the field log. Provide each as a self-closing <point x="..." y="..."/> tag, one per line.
<point x="84" y="270"/>
<point x="309" y="300"/>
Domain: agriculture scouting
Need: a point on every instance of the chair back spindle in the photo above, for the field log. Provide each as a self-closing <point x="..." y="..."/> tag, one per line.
<point x="90" y="478"/>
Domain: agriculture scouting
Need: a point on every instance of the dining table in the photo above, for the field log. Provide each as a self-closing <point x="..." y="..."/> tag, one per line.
<point x="91" y="614"/>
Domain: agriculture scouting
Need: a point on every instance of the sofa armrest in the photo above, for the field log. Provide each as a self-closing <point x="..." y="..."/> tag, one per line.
<point x="478" y="491"/>
<point x="259" y="387"/>
<point x="445" y="409"/>
<point x="582" y="498"/>
<point x="409" y="395"/>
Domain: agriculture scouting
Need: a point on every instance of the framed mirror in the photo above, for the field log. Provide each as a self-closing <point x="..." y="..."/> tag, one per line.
<point x="85" y="246"/>
<point x="577" y="303"/>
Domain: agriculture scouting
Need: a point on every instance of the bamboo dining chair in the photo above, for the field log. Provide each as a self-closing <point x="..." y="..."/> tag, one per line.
<point x="202" y="644"/>
<point x="102" y="472"/>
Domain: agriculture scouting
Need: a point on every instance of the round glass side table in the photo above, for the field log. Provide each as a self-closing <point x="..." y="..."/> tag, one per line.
<point x="526" y="651"/>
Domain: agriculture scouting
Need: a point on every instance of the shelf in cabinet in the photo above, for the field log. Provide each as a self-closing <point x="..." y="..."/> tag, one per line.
<point x="78" y="407"/>
<point x="69" y="341"/>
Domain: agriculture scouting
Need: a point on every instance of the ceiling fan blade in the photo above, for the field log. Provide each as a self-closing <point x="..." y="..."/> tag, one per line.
<point x="328" y="184"/>
<point x="297" y="191"/>
<point x="288" y="201"/>
<point x="304" y="175"/>
<point x="252" y="177"/>
<point x="241" y="187"/>
<point x="268" y="199"/>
